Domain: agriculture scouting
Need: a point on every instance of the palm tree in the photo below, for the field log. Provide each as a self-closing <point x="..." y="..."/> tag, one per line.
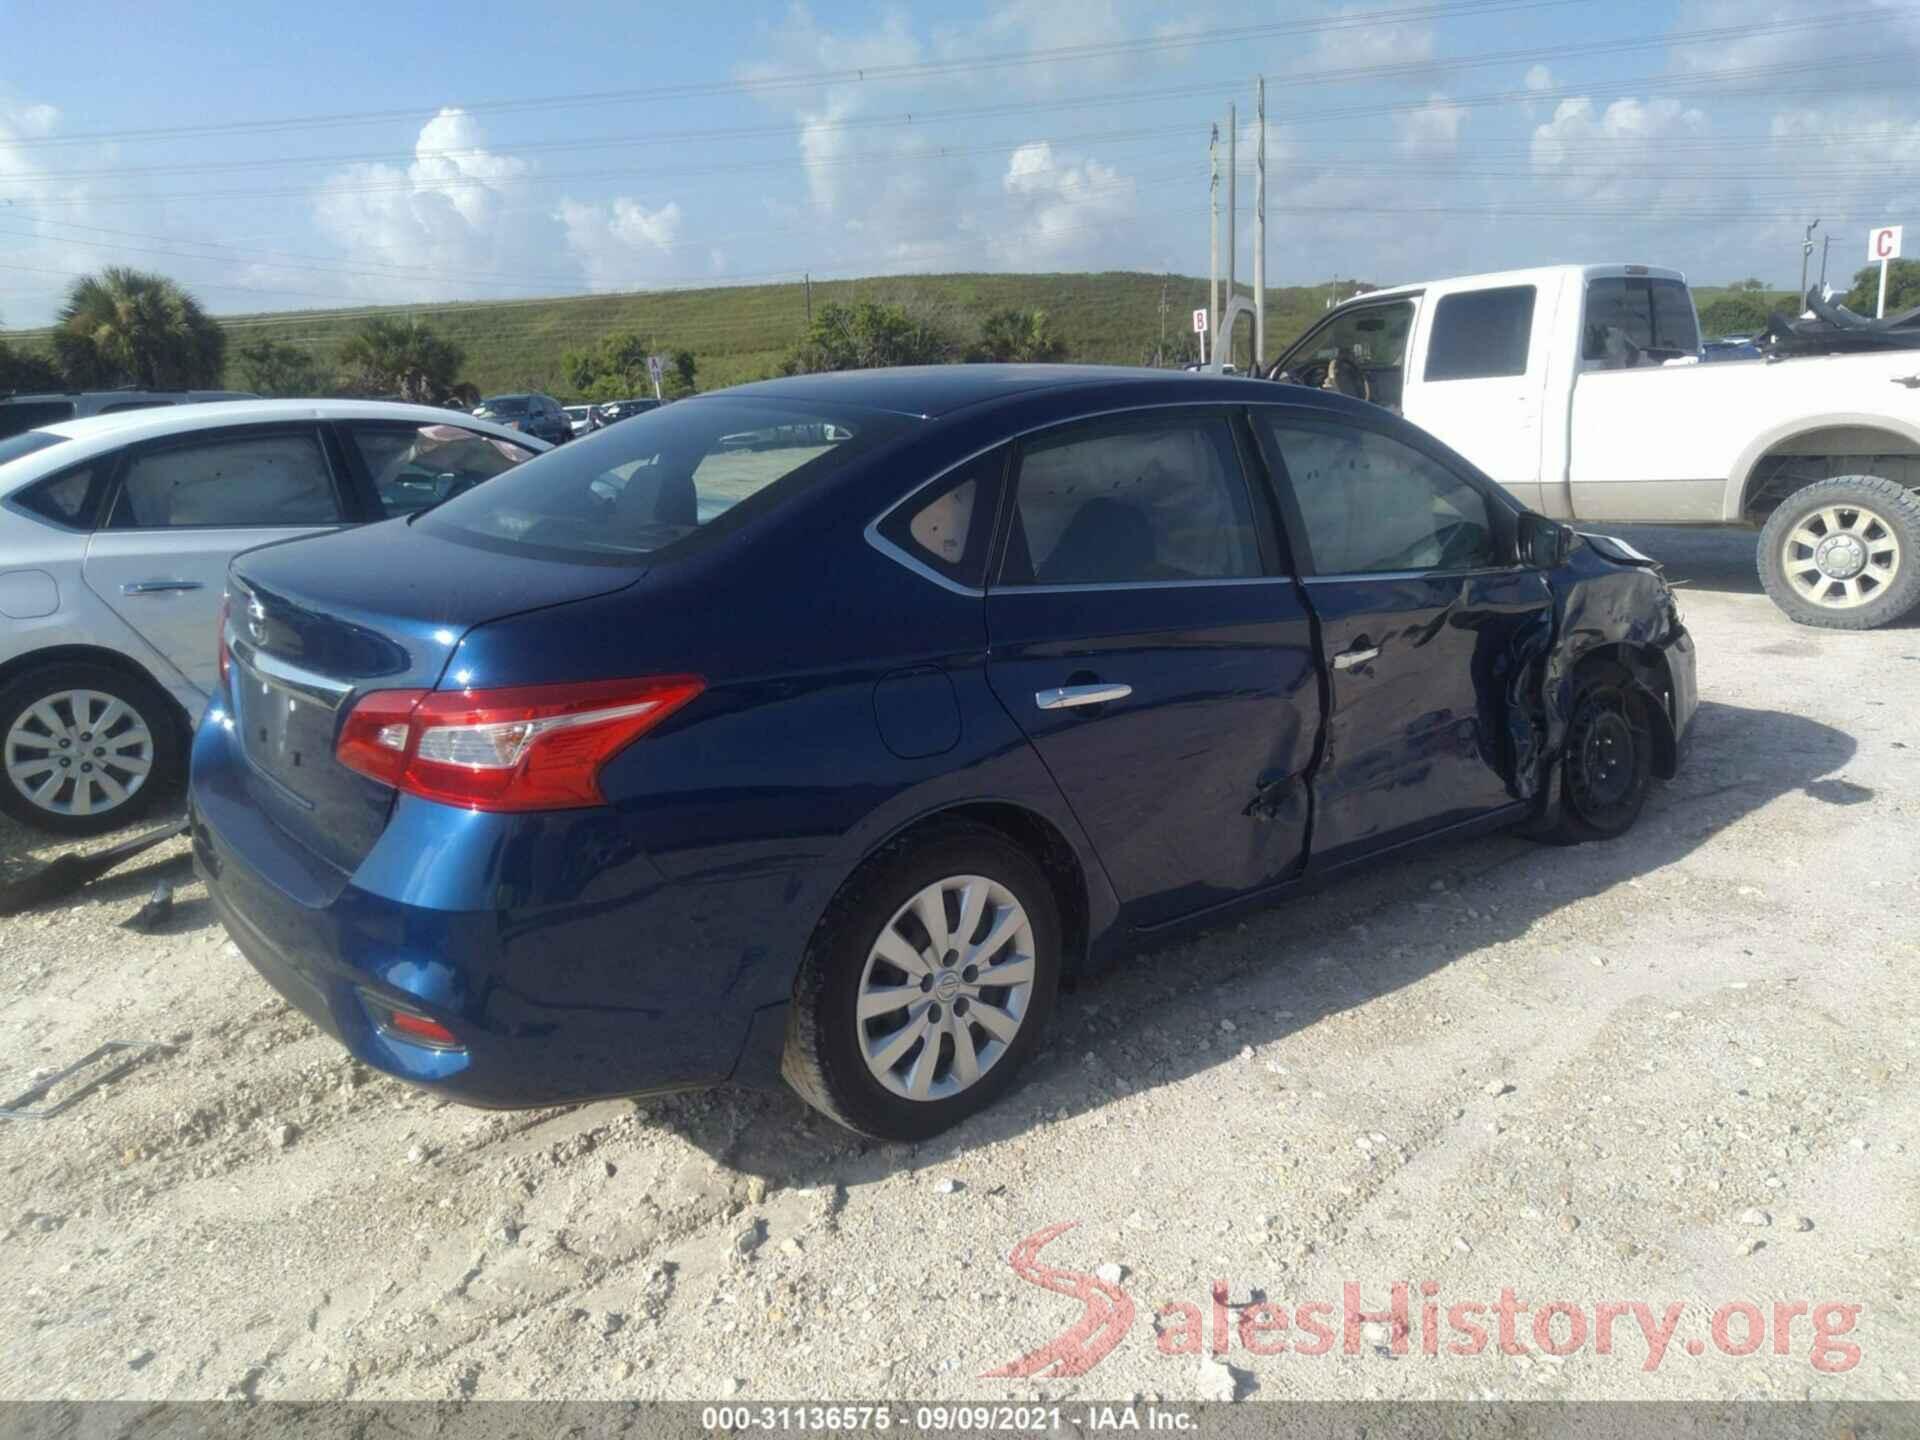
<point x="1018" y="335"/>
<point x="128" y="327"/>
<point x="401" y="357"/>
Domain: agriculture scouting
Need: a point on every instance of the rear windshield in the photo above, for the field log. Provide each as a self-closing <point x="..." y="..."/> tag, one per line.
<point x="14" y="446"/>
<point x="26" y="414"/>
<point x="656" y="480"/>
<point x="503" y="405"/>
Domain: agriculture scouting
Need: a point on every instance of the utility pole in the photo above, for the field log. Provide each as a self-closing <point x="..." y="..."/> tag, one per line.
<point x="1233" y="212"/>
<point x="809" y="301"/>
<point x="1826" y="245"/>
<point x="1806" y="254"/>
<point x="1260" y="226"/>
<point x="1213" y="206"/>
<point x="1160" y="354"/>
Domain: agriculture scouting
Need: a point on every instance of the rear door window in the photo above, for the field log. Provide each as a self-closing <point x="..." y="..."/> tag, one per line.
<point x="1481" y="334"/>
<point x="661" y="479"/>
<point x="1132" y="503"/>
<point x="413" y="467"/>
<point x="1634" y="320"/>
<point x="276" y="479"/>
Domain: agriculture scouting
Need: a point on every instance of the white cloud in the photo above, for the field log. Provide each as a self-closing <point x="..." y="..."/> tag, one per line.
<point x="461" y="221"/>
<point x="1432" y="131"/>
<point x="1538" y="78"/>
<point x="621" y="245"/>
<point x="1386" y="42"/>
<point x="1888" y="38"/>
<point x="448" y="218"/>
<point x="1061" y="207"/>
<point x="1614" y="155"/>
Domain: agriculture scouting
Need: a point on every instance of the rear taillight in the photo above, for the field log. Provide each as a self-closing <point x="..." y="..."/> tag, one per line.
<point x="532" y="747"/>
<point x="226" y="655"/>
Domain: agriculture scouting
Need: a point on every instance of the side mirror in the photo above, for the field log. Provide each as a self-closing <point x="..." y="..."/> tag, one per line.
<point x="1544" y="543"/>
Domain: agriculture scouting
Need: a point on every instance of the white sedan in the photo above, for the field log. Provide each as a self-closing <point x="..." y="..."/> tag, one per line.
<point x="115" y="533"/>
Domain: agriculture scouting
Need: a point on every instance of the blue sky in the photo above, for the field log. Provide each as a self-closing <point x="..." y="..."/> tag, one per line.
<point x="274" y="157"/>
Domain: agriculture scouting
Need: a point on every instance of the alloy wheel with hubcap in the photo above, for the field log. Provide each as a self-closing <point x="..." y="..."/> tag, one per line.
<point x="927" y="983"/>
<point x="85" y="748"/>
<point x="79" y="753"/>
<point x="946" y="987"/>
<point x="1844" y="554"/>
<point x="1841" y="556"/>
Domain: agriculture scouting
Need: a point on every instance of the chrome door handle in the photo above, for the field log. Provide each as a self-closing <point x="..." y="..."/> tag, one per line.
<point x="1068" y="696"/>
<point x="1347" y="659"/>
<point x="159" y="587"/>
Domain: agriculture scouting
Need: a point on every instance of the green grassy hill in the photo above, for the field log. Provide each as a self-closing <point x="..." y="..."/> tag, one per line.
<point x="739" y="333"/>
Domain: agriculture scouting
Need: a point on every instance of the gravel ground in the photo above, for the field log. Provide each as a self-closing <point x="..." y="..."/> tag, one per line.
<point x="1676" y="1068"/>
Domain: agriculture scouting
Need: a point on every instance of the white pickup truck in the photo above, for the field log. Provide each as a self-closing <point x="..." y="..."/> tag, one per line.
<point x="1581" y="389"/>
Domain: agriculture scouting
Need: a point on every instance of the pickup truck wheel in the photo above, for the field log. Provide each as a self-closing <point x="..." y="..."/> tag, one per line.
<point x="1844" y="554"/>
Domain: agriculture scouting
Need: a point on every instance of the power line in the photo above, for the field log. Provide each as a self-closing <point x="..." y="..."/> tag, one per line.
<point x="921" y="117"/>
<point x="861" y="75"/>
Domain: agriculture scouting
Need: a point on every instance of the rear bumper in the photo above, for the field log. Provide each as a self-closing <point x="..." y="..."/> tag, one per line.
<point x="553" y="1001"/>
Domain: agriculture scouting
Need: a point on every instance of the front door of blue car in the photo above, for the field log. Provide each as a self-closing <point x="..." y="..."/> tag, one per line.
<point x="1144" y="637"/>
<point x="1422" y="608"/>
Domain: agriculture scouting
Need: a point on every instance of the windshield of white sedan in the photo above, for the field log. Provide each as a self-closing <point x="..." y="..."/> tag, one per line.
<point x="657" y="479"/>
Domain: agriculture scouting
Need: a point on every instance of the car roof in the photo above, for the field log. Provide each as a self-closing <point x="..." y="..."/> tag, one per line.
<point x="927" y="391"/>
<point x="97" y="434"/>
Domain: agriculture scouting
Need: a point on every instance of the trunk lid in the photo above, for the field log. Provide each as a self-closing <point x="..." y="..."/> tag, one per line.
<point x="316" y="624"/>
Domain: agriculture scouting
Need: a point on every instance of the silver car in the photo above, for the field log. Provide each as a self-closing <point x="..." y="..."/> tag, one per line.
<point x="115" y="533"/>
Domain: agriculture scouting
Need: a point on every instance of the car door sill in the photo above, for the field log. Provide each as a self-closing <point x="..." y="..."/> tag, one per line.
<point x="1306" y="881"/>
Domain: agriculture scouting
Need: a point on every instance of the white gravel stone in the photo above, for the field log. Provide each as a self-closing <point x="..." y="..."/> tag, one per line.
<point x="1216" y="1382"/>
<point x="1754" y="1215"/>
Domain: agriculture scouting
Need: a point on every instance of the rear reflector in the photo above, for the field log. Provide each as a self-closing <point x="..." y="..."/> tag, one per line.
<point x="407" y="1025"/>
<point x="530" y="747"/>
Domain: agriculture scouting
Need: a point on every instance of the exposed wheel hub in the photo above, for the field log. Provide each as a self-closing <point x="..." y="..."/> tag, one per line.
<point x="1840" y="557"/>
<point x="1604" y="758"/>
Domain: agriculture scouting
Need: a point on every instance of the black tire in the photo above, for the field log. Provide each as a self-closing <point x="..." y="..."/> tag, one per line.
<point x="1607" y="765"/>
<point x="1895" y="513"/>
<point x="152" y="708"/>
<point x="824" y="1061"/>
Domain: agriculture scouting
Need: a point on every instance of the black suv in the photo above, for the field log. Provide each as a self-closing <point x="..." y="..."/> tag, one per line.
<point x="20" y="413"/>
<point x="537" y="415"/>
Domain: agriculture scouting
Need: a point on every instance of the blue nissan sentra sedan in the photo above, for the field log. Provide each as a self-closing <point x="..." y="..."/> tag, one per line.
<point x="825" y="726"/>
